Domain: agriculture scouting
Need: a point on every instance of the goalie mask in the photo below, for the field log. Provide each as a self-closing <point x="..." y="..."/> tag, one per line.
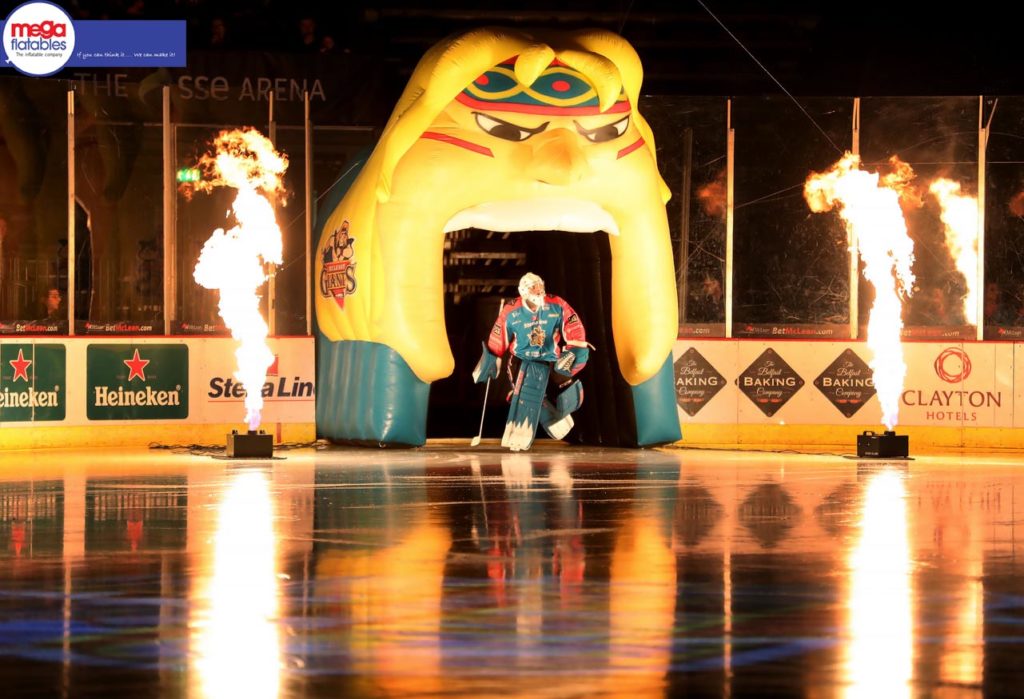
<point x="531" y="289"/>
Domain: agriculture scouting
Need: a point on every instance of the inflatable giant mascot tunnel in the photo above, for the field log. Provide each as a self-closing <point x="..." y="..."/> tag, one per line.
<point x="501" y="131"/>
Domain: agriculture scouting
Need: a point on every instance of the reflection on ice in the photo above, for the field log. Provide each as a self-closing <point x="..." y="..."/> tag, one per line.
<point x="237" y="648"/>
<point x="879" y="655"/>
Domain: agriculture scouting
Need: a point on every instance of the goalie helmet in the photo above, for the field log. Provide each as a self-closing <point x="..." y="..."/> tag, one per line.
<point x="528" y="289"/>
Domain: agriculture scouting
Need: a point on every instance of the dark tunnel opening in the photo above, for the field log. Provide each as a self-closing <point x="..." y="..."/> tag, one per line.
<point x="483" y="267"/>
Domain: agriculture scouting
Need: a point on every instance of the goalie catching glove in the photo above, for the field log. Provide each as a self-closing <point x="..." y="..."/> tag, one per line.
<point x="564" y="363"/>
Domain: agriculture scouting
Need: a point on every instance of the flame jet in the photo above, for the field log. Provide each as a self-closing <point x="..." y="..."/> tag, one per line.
<point x="869" y="205"/>
<point x="234" y="262"/>
<point x="960" y="219"/>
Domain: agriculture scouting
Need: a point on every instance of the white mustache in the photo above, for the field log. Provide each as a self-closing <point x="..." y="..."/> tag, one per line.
<point x="570" y="215"/>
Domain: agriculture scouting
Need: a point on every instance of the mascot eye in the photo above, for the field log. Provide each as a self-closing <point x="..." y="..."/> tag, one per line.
<point x="606" y="132"/>
<point x="506" y="129"/>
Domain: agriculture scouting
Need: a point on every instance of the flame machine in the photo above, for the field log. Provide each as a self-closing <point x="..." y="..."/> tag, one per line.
<point x="887" y="445"/>
<point x="249" y="445"/>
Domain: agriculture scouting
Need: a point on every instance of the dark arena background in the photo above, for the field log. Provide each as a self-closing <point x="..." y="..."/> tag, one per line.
<point x="763" y="554"/>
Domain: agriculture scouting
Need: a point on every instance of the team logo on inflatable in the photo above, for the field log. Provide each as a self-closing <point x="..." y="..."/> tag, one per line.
<point x="338" y="276"/>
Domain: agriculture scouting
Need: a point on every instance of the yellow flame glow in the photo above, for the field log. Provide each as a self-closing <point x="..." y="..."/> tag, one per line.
<point x="642" y="603"/>
<point x="960" y="218"/>
<point x="963" y="656"/>
<point x="391" y="600"/>
<point x="235" y="261"/>
<point x="870" y="208"/>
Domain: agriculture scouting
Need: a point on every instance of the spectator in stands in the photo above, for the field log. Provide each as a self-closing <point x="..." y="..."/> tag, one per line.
<point x="707" y="301"/>
<point x="307" y="35"/>
<point x="997" y="310"/>
<point x="929" y="308"/>
<point x="218" y="33"/>
<point x="1015" y="308"/>
<point x="136" y="9"/>
<point x="52" y="306"/>
<point x="3" y="238"/>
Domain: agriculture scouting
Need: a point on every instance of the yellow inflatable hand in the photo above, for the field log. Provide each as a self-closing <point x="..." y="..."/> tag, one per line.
<point x="502" y="131"/>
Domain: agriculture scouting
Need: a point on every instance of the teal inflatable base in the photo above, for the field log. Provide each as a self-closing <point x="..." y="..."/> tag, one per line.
<point x="654" y="404"/>
<point x="367" y="394"/>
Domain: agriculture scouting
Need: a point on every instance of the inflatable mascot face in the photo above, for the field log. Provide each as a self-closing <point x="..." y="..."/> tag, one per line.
<point x="502" y="131"/>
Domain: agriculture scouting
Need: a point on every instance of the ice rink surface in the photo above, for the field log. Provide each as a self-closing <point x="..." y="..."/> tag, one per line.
<point x="446" y="571"/>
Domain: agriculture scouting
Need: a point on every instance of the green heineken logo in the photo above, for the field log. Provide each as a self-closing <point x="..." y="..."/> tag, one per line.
<point x="137" y="382"/>
<point x="32" y="382"/>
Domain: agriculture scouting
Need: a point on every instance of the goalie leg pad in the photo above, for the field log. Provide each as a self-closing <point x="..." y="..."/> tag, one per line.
<point x="556" y="415"/>
<point x="525" y="409"/>
<point x="570" y="399"/>
<point x="556" y="424"/>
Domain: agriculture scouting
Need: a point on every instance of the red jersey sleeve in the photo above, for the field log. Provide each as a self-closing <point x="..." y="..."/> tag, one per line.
<point x="497" y="341"/>
<point x="573" y="333"/>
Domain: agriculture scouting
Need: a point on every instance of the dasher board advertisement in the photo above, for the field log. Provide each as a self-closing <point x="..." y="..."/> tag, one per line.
<point x="960" y="384"/>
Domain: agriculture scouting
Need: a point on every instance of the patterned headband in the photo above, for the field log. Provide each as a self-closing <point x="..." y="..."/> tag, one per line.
<point x="558" y="90"/>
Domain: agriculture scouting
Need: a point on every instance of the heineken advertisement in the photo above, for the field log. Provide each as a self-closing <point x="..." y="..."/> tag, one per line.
<point x="137" y="382"/>
<point x="33" y="382"/>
